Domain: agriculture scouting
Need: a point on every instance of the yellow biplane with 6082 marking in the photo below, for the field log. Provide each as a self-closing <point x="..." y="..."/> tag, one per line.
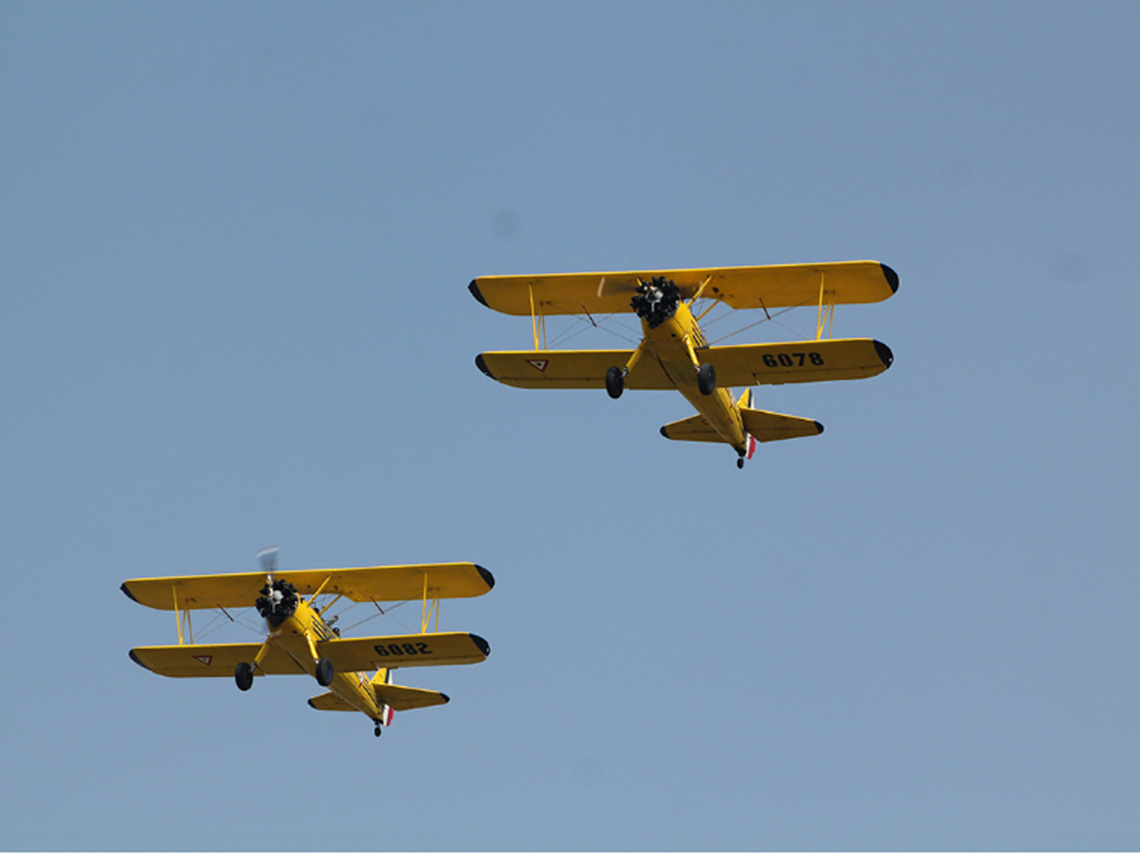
<point x="674" y="352"/>
<point x="302" y="641"/>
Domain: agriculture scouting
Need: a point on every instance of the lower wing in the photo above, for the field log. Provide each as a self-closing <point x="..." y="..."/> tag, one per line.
<point x="797" y="362"/>
<point x="210" y="659"/>
<point x="570" y="369"/>
<point x="352" y="654"/>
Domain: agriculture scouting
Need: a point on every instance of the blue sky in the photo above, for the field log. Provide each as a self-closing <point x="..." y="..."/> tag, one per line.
<point x="234" y="246"/>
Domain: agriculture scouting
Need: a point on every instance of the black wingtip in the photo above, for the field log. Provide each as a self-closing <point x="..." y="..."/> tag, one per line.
<point x="482" y="365"/>
<point x="486" y="573"/>
<point x="891" y="276"/>
<point x="475" y="292"/>
<point x="446" y="698"/>
<point x="885" y="354"/>
<point x="136" y="660"/>
<point x="818" y="427"/>
<point x="664" y="432"/>
<point x="127" y="590"/>
<point x="481" y="644"/>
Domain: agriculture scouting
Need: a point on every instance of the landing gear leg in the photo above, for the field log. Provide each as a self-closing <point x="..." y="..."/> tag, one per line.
<point x="615" y="376"/>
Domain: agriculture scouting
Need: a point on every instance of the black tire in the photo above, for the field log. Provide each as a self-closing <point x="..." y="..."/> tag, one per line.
<point x="324" y="672"/>
<point x="706" y="379"/>
<point x="378" y="731"/>
<point x="615" y="382"/>
<point x="740" y="462"/>
<point x="243" y="675"/>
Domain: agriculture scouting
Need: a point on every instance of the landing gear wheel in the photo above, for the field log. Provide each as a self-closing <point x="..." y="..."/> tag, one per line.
<point x="740" y="462"/>
<point x="324" y="672"/>
<point x="379" y="731"/>
<point x="615" y="382"/>
<point x="243" y="675"/>
<point x="706" y="379"/>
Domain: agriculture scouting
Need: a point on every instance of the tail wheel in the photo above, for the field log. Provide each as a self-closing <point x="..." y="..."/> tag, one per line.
<point x="379" y="731"/>
<point x="706" y="379"/>
<point x="324" y="672"/>
<point x="615" y="382"/>
<point x="243" y="675"/>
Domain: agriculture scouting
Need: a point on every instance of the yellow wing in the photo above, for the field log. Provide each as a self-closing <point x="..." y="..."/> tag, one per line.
<point x="569" y="369"/>
<point x="360" y="584"/>
<point x="771" y="286"/>
<point x="798" y="362"/>
<point x="351" y="654"/>
<point x="210" y="659"/>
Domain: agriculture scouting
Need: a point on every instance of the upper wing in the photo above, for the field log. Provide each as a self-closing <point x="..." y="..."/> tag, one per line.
<point x="349" y="654"/>
<point x="771" y="286"/>
<point x="569" y="369"/>
<point x="210" y="659"/>
<point x="360" y="584"/>
<point x="798" y="362"/>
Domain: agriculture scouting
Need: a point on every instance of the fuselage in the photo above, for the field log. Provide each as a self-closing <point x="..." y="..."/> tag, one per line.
<point x="675" y="342"/>
<point x="298" y="635"/>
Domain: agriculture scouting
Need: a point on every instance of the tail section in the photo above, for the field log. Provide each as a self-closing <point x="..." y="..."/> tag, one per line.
<point x="760" y="425"/>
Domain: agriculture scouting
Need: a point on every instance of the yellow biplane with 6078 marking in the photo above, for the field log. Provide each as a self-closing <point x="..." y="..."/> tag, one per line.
<point x="301" y="640"/>
<point x="674" y="352"/>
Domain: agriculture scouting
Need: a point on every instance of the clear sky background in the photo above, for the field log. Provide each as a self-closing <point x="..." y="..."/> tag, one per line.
<point x="234" y="248"/>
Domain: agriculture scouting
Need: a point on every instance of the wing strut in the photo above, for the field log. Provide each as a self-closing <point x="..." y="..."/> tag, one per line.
<point x="824" y="317"/>
<point x="180" y="618"/>
<point x="537" y="320"/>
<point x="426" y="613"/>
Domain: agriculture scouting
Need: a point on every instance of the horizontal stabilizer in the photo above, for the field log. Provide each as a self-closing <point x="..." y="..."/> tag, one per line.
<point x="398" y="697"/>
<point x="764" y="426"/>
<point x="772" y="426"/>
<point x="401" y="698"/>
<point x="330" y="702"/>
<point x="692" y="429"/>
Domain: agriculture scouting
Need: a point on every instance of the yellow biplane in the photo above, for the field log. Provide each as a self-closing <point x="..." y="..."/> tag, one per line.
<point x="302" y="641"/>
<point x="674" y="352"/>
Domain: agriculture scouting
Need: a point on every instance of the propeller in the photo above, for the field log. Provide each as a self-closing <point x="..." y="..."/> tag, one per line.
<point x="278" y="598"/>
<point x="656" y="300"/>
<point x="268" y="560"/>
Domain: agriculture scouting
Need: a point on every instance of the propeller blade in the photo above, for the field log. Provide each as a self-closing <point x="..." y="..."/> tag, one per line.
<point x="268" y="560"/>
